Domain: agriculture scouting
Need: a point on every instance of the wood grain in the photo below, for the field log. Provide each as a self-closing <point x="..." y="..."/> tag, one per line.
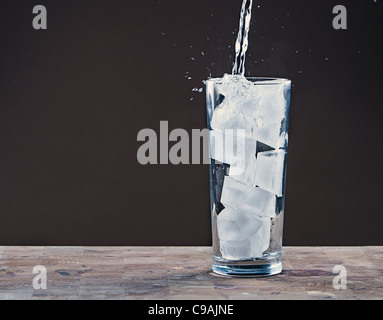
<point x="184" y="273"/>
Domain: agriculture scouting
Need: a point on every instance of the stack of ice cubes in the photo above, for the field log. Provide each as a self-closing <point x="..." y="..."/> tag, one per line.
<point x="248" y="133"/>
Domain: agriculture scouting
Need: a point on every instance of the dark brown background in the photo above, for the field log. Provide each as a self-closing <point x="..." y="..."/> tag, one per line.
<point x="74" y="97"/>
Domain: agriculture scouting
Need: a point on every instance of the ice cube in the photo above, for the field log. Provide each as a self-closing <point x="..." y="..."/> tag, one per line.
<point x="248" y="176"/>
<point x="245" y="168"/>
<point x="228" y="229"/>
<point x="272" y="103"/>
<point x="234" y="225"/>
<point x="260" y="203"/>
<point x="266" y="105"/>
<point x="235" y="88"/>
<point x="228" y="116"/>
<point x="233" y="192"/>
<point x="228" y="113"/>
<point x="230" y="146"/>
<point x="269" y="171"/>
<point x="236" y="250"/>
<point x="269" y="135"/>
<point x="266" y="113"/>
<point x="250" y="248"/>
<point x="251" y="200"/>
<point x="260" y="242"/>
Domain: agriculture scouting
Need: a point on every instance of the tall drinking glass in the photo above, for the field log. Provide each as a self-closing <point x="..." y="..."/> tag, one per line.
<point x="248" y="124"/>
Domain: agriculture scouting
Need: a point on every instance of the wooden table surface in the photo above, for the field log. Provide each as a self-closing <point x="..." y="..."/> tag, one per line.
<point x="184" y="273"/>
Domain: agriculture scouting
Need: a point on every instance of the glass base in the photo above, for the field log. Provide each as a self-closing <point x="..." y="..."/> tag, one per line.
<point x="248" y="269"/>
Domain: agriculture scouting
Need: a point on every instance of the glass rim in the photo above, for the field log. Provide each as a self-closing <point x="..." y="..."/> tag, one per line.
<point x="257" y="80"/>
